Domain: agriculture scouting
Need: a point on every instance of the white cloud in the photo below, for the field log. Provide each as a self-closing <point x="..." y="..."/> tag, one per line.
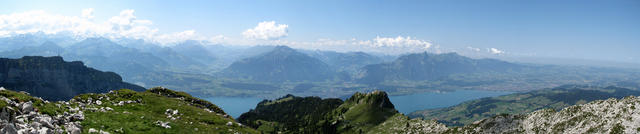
<point x="267" y="30"/>
<point x="389" y="45"/>
<point x="87" y="13"/>
<point x="177" y="37"/>
<point x="124" y="25"/>
<point x="473" y="49"/>
<point x="494" y="51"/>
<point x="127" y="25"/>
<point x="399" y="41"/>
<point x="218" y="39"/>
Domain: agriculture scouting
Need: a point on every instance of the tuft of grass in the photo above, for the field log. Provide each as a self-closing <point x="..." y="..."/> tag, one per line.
<point x="3" y="104"/>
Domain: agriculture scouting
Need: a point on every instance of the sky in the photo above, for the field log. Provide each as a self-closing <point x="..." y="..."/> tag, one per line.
<point x="584" y="29"/>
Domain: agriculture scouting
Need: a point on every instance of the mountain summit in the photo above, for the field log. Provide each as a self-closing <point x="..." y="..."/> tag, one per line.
<point x="279" y="65"/>
<point x="291" y="114"/>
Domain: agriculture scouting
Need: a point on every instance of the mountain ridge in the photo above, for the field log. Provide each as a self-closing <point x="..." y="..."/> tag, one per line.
<point x="48" y="77"/>
<point x="426" y="66"/>
<point x="279" y="65"/>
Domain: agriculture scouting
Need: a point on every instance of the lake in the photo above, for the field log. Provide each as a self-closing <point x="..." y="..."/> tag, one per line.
<point x="235" y="106"/>
<point x="420" y="101"/>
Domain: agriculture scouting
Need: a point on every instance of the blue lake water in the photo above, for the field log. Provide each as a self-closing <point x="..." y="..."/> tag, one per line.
<point x="420" y="101"/>
<point x="235" y="106"/>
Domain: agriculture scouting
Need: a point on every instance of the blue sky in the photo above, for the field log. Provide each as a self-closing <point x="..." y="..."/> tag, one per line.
<point x="604" y="30"/>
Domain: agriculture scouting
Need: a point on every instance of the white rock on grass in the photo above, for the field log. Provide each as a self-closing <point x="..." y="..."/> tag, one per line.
<point x="163" y="124"/>
<point x="91" y="130"/>
<point x="73" y="129"/>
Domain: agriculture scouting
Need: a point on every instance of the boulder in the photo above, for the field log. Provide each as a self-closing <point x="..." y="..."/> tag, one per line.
<point x="9" y="128"/>
<point x="27" y="107"/>
<point x="77" y="117"/>
<point x="163" y="124"/>
<point x="7" y="114"/>
<point x="73" y="128"/>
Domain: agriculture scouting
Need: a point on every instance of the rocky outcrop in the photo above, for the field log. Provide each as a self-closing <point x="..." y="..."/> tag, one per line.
<point x="401" y="124"/>
<point x="54" y="79"/>
<point x="522" y="103"/>
<point x="19" y="117"/>
<point x="602" y="116"/>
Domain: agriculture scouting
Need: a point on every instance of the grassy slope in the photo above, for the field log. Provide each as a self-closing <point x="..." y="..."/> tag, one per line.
<point x="140" y="117"/>
<point x="361" y="112"/>
<point x="49" y="108"/>
<point x="358" y="114"/>
<point x="290" y="114"/>
<point x="519" y="103"/>
<point x="366" y="110"/>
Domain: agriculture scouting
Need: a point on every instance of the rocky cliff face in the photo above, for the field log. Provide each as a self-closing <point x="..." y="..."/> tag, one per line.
<point x="54" y="79"/>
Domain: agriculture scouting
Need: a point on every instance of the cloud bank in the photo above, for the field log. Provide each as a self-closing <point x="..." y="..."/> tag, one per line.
<point x="389" y="45"/>
<point x="123" y="25"/>
<point x="87" y="13"/>
<point x="267" y="30"/>
<point x="127" y="25"/>
<point x="494" y="51"/>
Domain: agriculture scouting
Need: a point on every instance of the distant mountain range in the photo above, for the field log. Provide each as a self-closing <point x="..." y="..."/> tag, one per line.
<point x="349" y="62"/>
<point x="279" y="65"/>
<point x="566" y="109"/>
<point x="203" y="68"/>
<point x="425" y="66"/>
<point x="54" y="79"/>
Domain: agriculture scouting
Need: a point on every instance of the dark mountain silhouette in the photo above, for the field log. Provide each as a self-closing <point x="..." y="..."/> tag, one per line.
<point x="54" y="79"/>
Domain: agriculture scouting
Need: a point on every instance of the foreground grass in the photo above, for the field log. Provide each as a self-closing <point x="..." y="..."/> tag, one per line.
<point x="150" y="107"/>
<point x="127" y="111"/>
<point x="45" y="107"/>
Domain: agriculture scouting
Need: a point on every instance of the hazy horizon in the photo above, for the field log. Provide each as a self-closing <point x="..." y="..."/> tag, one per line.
<point x="588" y="30"/>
